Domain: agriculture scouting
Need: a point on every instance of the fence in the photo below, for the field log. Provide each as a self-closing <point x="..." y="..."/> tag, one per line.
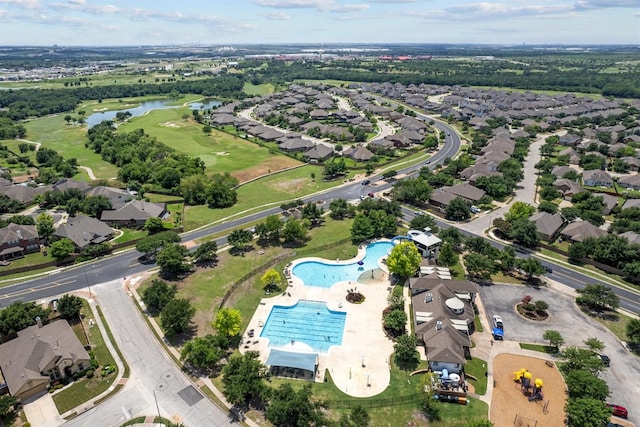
<point x="273" y="262"/>
<point x="375" y="403"/>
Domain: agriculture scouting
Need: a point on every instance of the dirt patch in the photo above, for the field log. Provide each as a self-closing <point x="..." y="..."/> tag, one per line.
<point x="222" y="153"/>
<point x="290" y="186"/>
<point x="508" y="401"/>
<point x="267" y="166"/>
<point x="170" y="125"/>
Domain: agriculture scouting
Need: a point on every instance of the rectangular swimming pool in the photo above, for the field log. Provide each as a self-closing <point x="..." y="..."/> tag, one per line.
<point x="310" y="322"/>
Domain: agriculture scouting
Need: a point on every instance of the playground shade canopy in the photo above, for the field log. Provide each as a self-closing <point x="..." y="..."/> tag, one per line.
<point x="292" y="359"/>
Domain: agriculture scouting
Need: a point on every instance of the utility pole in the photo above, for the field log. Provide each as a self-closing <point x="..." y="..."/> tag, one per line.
<point x="157" y="407"/>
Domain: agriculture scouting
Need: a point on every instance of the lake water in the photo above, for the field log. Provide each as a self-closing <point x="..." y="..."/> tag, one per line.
<point x="145" y="107"/>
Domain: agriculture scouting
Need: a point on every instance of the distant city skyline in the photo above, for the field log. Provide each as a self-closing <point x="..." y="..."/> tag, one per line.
<point x="228" y="22"/>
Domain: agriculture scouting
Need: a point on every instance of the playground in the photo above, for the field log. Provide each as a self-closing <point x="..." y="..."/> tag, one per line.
<point x="511" y="405"/>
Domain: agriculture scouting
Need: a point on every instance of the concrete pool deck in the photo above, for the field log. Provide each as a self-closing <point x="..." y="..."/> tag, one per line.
<point x="360" y="365"/>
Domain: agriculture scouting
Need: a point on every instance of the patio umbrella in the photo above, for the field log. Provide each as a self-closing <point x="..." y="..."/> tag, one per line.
<point x="360" y="262"/>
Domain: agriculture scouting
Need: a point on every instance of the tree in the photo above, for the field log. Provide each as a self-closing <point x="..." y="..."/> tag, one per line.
<point x="519" y="210"/>
<point x="524" y="232"/>
<point x="579" y="358"/>
<point x="421" y="222"/>
<point x="69" y="306"/>
<point x="240" y="239"/>
<point x="547" y="206"/>
<point x="404" y="259"/>
<point x="206" y="253"/>
<point x="457" y="210"/>
<point x="172" y="260"/>
<point x="228" y="322"/>
<point x="206" y="129"/>
<point x="447" y="256"/>
<point x="479" y="422"/>
<point x="68" y="118"/>
<point x="291" y="408"/>
<point x="633" y="331"/>
<point x="243" y="378"/>
<point x="587" y="412"/>
<point x="153" y="225"/>
<point x="338" y="209"/>
<point x="221" y="193"/>
<point x="7" y="406"/>
<point x="61" y="249"/>
<point x="584" y="384"/>
<point x="194" y="189"/>
<point x="150" y="245"/>
<point x="598" y="296"/>
<point x="271" y="279"/>
<point x="361" y="229"/>
<point x="176" y="316"/>
<point x="396" y="321"/>
<point x="312" y="212"/>
<point x="270" y="229"/>
<point x="45" y="226"/>
<point x="158" y="295"/>
<point x="479" y="266"/>
<point x="20" y="315"/>
<point x="204" y="352"/>
<point x="359" y="417"/>
<point x="554" y="338"/>
<point x="594" y="344"/>
<point x="294" y="231"/>
<point x="406" y="354"/>
<point x="530" y="266"/>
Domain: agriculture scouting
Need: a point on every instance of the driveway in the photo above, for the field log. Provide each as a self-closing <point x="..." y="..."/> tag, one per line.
<point x="42" y="412"/>
<point x="623" y="376"/>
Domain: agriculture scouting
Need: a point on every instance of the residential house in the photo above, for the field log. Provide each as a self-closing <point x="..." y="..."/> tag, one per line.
<point x="574" y="157"/>
<point x="84" y="230"/>
<point x="443" y="320"/>
<point x="569" y="139"/>
<point x="358" y="153"/>
<point x="67" y="183"/>
<point x="134" y="214"/>
<point x="39" y="356"/>
<point x="597" y="178"/>
<point x="297" y="144"/>
<point x="634" y="163"/>
<point x="466" y="191"/>
<point x="632" y="237"/>
<point x="609" y="200"/>
<point x="580" y="230"/>
<point x="18" y="240"/>
<point x="319" y="153"/>
<point x="568" y="188"/>
<point x="560" y="171"/>
<point x="441" y="199"/>
<point x="23" y="193"/>
<point x="547" y="224"/>
<point x="631" y="203"/>
<point x="116" y="196"/>
<point x="630" y="182"/>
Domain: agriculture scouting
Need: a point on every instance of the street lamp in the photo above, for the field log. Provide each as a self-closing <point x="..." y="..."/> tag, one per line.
<point x="86" y="278"/>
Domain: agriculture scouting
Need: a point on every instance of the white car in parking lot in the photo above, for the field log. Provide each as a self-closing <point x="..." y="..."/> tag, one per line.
<point x="497" y="322"/>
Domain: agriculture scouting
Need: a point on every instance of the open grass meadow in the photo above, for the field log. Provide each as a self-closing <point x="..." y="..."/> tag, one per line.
<point x="258" y="90"/>
<point x="272" y="190"/>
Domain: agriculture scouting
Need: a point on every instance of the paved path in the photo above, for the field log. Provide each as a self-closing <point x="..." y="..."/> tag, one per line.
<point x="89" y="172"/>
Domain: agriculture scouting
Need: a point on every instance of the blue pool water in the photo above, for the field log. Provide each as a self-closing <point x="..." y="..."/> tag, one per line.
<point x="317" y="273"/>
<point x="310" y="322"/>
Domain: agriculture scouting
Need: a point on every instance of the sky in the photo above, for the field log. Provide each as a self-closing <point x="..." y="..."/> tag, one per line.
<point x="229" y="22"/>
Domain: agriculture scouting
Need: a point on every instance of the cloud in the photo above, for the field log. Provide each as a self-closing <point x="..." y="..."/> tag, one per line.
<point x="320" y="5"/>
<point x="276" y="16"/>
<point x="505" y="10"/>
<point x="23" y="4"/>
<point x="78" y="2"/>
<point x="606" y="4"/>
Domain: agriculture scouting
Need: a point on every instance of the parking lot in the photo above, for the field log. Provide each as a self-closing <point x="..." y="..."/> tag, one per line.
<point x="623" y="376"/>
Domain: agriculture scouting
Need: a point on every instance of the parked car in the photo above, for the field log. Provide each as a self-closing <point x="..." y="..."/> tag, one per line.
<point x="605" y="359"/>
<point x="418" y="212"/>
<point x="371" y="195"/>
<point x="547" y="269"/>
<point x="366" y="182"/>
<point x="618" y="411"/>
<point x="497" y="322"/>
<point x="614" y="425"/>
<point x="475" y="209"/>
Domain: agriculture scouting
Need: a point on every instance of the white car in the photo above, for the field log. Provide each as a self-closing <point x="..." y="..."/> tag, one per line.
<point x="497" y="322"/>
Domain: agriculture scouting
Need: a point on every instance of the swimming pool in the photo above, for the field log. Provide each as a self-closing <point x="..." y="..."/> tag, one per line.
<point x="321" y="274"/>
<point x="310" y="322"/>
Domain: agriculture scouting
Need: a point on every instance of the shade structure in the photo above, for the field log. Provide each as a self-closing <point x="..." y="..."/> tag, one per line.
<point x="360" y="262"/>
<point x="292" y="359"/>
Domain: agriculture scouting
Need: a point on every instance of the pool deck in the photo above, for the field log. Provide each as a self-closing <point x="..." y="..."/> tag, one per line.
<point x="360" y="366"/>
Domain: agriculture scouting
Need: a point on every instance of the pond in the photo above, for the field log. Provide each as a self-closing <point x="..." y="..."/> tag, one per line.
<point x="147" y="106"/>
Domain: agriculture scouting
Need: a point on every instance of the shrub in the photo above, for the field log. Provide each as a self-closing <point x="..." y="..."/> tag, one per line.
<point x="527" y="299"/>
<point x="89" y="373"/>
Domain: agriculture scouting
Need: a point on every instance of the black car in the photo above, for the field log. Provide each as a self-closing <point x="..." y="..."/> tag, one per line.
<point x="547" y="269"/>
<point x="366" y="182"/>
<point x="605" y="360"/>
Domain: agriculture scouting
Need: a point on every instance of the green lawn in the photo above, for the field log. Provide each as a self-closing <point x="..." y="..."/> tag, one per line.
<point x="477" y="368"/>
<point x="85" y="389"/>
<point x="68" y="141"/>
<point x="258" y="90"/>
<point x="271" y="190"/>
<point x="539" y="347"/>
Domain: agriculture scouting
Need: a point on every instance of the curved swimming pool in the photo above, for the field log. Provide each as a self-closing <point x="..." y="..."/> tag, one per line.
<point x="324" y="275"/>
<point x="310" y="322"/>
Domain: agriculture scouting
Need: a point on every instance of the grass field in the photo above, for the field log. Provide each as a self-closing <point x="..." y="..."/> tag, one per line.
<point x="219" y="151"/>
<point x="258" y="90"/>
<point x="68" y="140"/>
<point x="272" y="190"/>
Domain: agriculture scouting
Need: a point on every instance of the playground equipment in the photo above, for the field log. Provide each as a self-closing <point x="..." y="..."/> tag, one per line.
<point x="517" y="375"/>
<point x="537" y="391"/>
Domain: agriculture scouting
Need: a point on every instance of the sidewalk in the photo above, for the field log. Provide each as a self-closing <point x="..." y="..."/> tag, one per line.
<point x="130" y="285"/>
